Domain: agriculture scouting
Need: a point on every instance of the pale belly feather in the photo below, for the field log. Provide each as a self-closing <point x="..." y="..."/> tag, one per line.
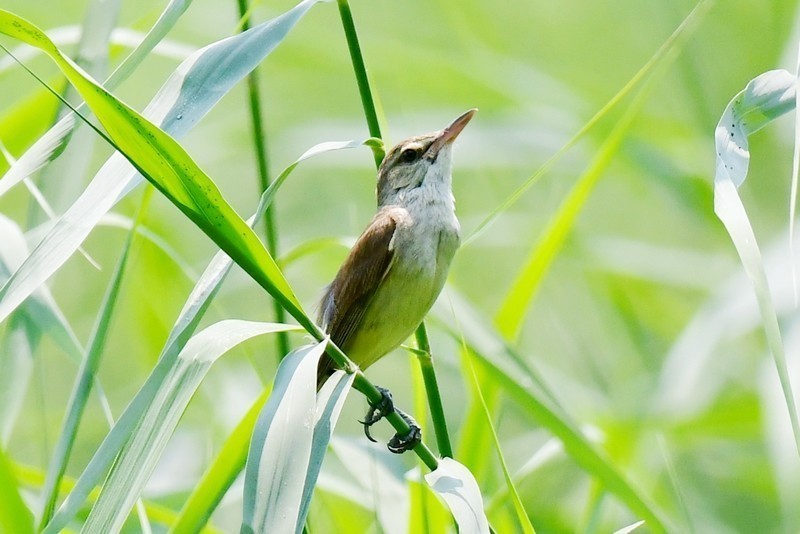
<point x="414" y="281"/>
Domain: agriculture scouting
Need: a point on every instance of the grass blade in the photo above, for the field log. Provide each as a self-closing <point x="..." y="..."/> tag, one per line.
<point x="39" y="314"/>
<point x="91" y="54"/>
<point x="514" y="380"/>
<point x="522" y="516"/>
<point x="170" y="168"/>
<point x="330" y="401"/>
<point x="193" y="310"/>
<point x="227" y="465"/>
<point x="629" y="528"/>
<point x="510" y="316"/>
<point x="52" y="143"/>
<point x="457" y="487"/>
<point x="86" y="377"/>
<point x="187" y="96"/>
<point x="674" y="42"/>
<point x="766" y="97"/>
<point x="141" y="453"/>
<point x="281" y="446"/>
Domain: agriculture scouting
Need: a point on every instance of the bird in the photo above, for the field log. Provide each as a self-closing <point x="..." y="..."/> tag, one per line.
<point x="398" y="266"/>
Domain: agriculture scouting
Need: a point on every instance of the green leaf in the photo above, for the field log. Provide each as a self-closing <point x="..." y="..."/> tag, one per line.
<point x="185" y="98"/>
<point x="519" y="508"/>
<point x="83" y="383"/>
<point x="50" y="145"/>
<point x="629" y="528"/>
<point x="227" y="465"/>
<point x="512" y="311"/>
<point x="666" y="51"/>
<point x="38" y="315"/>
<point x="500" y="365"/>
<point x="193" y="310"/>
<point x="15" y="517"/>
<point x="140" y="454"/>
<point x="765" y="98"/>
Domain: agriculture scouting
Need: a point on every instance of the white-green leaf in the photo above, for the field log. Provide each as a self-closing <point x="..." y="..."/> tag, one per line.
<point x="141" y="453"/>
<point x="289" y="443"/>
<point x="49" y="145"/>
<point x="39" y="315"/>
<point x="185" y="98"/>
<point x="198" y="301"/>
<point x="629" y="528"/>
<point x="330" y="401"/>
<point x="381" y="486"/>
<point x="765" y="98"/>
<point x="457" y="487"/>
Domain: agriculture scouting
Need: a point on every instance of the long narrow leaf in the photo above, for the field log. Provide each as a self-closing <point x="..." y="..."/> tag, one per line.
<point x="231" y="458"/>
<point x="289" y="443"/>
<point x="83" y="384"/>
<point x="220" y="475"/>
<point x="50" y="145"/>
<point x="512" y="311"/>
<point x="39" y="315"/>
<point x="330" y="401"/>
<point x="141" y="453"/>
<point x="281" y="446"/>
<point x="170" y="168"/>
<point x="765" y="98"/>
<point x="187" y="96"/>
<point x="519" y="508"/>
<point x="196" y="304"/>
<point x="515" y="381"/>
<point x="674" y="43"/>
<point x="64" y="177"/>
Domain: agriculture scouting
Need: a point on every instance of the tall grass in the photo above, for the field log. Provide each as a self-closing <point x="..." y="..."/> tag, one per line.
<point x="623" y="378"/>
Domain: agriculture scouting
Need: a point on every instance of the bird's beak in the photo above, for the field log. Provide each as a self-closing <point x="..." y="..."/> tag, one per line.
<point x="449" y="134"/>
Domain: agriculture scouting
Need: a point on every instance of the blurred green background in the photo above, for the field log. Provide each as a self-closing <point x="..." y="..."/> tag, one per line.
<point x="644" y="327"/>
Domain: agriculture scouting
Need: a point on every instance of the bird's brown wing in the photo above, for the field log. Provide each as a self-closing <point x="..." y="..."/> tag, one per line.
<point x="348" y="296"/>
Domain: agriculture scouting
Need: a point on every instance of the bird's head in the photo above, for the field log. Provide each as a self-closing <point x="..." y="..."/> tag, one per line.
<point x="423" y="159"/>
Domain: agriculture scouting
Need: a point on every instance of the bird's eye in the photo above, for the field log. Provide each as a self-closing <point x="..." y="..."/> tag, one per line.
<point x="408" y="155"/>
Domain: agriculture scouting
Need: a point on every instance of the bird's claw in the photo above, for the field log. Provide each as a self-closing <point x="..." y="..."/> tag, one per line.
<point x="400" y="444"/>
<point x="377" y="411"/>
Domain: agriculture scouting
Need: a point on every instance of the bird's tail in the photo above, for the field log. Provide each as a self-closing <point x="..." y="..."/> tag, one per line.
<point x="325" y="369"/>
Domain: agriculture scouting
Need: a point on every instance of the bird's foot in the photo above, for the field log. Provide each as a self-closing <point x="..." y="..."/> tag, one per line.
<point x="377" y="411"/>
<point x="400" y="444"/>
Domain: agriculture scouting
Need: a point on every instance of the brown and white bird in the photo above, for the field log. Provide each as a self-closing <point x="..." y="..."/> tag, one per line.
<point x="398" y="266"/>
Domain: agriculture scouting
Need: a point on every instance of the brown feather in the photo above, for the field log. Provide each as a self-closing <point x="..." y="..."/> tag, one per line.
<point x="348" y="296"/>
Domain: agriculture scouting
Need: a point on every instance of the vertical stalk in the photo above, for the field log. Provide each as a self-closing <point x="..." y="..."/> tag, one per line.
<point x="264" y="180"/>
<point x="432" y="389"/>
<point x="361" y="73"/>
<point x="371" y="115"/>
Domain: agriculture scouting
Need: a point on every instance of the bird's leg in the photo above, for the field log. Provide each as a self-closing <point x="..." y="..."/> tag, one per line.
<point x="377" y="411"/>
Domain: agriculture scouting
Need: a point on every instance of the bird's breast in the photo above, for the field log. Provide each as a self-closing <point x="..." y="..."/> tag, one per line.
<point x="423" y="249"/>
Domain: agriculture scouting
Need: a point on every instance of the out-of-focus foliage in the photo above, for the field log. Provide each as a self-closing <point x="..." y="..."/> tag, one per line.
<point x="644" y="327"/>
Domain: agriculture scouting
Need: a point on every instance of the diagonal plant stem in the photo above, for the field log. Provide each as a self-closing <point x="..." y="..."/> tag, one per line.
<point x="371" y="115"/>
<point x="264" y="180"/>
